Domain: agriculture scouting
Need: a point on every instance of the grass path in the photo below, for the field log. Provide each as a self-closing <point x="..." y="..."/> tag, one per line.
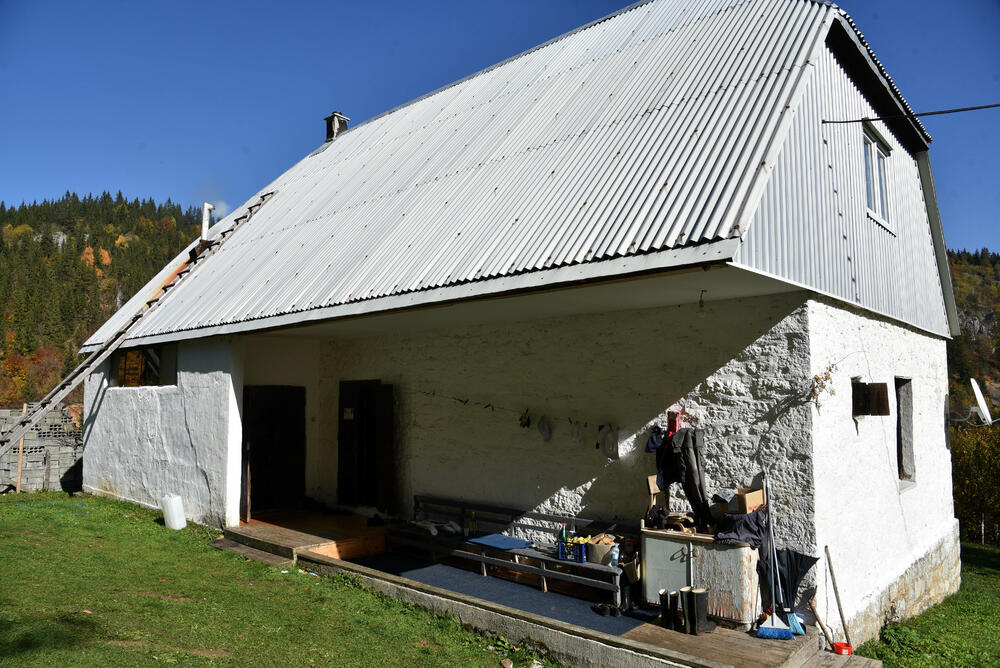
<point x="91" y="581"/>
<point x="964" y="630"/>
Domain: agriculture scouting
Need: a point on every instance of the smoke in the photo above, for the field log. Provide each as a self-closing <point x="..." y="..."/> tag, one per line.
<point x="222" y="209"/>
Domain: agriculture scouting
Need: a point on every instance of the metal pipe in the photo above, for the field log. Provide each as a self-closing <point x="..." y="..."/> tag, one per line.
<point x="205" y="218"/>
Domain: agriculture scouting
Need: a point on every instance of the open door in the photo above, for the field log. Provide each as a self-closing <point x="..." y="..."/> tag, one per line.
<point x="365" y="456"/>
<point x="273" y="469"/>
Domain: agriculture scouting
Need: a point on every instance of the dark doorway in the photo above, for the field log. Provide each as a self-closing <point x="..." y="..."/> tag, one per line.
<point x="365" y="466"/>
<point x="274" y="448"/>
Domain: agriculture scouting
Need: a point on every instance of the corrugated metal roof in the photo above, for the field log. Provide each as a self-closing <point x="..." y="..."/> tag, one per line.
<point x="642" y="132"/>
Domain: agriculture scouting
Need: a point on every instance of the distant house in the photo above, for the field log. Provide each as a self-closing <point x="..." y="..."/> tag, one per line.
<point x="649" y="213"/>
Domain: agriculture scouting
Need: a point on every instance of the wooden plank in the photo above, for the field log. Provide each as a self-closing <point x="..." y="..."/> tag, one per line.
<point x="738" y="649"/>
<point x="504" y="563"/>
<point x="20" y="450"/>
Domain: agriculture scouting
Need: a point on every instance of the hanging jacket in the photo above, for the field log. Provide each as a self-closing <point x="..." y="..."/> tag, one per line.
<point x="678" y="459"/>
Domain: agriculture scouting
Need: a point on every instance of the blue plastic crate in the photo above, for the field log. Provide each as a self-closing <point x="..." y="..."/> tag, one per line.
<point x="572" y="552"/>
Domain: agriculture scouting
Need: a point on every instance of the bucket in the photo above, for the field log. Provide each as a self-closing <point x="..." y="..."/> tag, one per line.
<point x="599" y="553"/>
<point x="842" y="648"/>
<point x="173" y="511"/>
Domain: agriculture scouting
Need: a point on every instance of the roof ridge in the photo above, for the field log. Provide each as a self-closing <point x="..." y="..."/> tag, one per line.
<point x="537" y="47"/>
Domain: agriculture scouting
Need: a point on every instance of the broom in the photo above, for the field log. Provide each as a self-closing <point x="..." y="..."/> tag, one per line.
<point x="772" y="627"/>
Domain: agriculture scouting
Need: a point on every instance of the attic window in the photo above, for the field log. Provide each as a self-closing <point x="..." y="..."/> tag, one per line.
<point x="145" y="367"/>
<point x="876" y="157"/>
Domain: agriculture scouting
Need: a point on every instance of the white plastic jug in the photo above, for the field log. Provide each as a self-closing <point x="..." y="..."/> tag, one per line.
<point x="173" y="511"/>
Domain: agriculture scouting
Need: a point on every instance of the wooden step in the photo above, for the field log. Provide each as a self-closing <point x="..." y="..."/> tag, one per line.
<point x="268" y="558"/>
<point x="274" y="539"/>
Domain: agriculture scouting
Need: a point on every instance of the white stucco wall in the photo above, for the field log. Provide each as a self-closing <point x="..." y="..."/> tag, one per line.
<point x="143" y="443"/>
<point x="739" y="371"/>
<point x="876" y="526"/>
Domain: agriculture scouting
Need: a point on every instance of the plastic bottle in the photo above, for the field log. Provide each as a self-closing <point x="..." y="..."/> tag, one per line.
<point x="562" y="534"/>
<point x="614" y="555"/>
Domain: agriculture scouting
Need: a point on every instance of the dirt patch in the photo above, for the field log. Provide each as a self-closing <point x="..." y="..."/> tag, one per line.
<point x="165" y="597"/>
<point x="215" y="653"/>
<point x="425" y="643"/>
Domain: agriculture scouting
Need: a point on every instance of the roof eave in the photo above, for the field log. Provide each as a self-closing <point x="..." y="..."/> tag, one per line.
<point x="701" y="255"/>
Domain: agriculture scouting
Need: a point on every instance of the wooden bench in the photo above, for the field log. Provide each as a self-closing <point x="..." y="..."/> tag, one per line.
<point x="477" y="519"/>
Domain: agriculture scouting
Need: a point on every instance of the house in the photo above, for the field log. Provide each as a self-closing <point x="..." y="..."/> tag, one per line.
<point x="650" y="213"/>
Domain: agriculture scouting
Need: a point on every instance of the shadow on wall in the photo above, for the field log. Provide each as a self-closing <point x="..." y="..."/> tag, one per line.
<point x="72" y="479"/>
<point x="741" y="373"/>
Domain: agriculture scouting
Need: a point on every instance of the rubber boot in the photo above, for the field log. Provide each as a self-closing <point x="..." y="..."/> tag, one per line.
<point x="675" y="612"/>
<point x="666" y="618"/>
<point x="702" y="624"/>
<point x="687" y="604"/>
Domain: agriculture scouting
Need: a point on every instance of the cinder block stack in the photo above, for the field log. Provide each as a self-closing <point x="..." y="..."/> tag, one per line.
<point x="53" y="453"/>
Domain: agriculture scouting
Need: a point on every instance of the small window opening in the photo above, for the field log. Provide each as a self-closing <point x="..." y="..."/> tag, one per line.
<point x="876" y="154"/>
<point x="145" y="367"/>
<point x="869" y="398"/>
<point x="904" y="429"/>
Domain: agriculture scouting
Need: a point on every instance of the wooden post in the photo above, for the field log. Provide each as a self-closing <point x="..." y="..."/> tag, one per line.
<point x="20" y="451"/>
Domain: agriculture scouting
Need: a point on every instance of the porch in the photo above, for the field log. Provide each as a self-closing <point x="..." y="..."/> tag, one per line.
<point x="564" y="623"/>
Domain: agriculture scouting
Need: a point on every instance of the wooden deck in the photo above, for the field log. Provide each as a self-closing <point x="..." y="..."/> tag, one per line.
<point x="341" y="537"/>
<point x="735" y="648"/>
<point x="286" y="533"/>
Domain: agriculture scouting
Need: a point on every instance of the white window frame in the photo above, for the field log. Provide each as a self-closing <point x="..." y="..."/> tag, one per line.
<point x="876" y="173"/>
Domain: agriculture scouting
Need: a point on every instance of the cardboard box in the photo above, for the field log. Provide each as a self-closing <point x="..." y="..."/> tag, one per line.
<point x="745" y="501"/>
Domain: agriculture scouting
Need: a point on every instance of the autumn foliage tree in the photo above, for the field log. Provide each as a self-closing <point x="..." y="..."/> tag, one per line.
<point x="65" y="266"/>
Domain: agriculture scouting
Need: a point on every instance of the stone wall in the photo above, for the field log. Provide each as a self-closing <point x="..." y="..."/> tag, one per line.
<point x="929" y="580"/>
<point x="52" y="453"/>
<point x="739" y="371"/>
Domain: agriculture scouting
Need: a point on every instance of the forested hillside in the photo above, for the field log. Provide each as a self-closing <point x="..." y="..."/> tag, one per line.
<point x="974" y="354"/>
<point x="67" y="265"/>
<point x="975" y="450"/>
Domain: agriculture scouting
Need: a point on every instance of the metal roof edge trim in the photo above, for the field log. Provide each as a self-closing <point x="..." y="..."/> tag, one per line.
<point x="776" y="143"/>
<point x="937" y="237"/>
<point x="829" y="295"/>
<point x="713" y="252"/>
<point x="851" y="28"/>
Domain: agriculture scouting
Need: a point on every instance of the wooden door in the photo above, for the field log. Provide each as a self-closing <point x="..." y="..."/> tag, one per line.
<point x="365" y="457"/>
<point x="274" y="448"/>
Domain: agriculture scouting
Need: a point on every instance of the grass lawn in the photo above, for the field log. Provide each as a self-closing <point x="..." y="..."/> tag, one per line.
<point x="964" y="630"/>
<point x="91" y="581"/>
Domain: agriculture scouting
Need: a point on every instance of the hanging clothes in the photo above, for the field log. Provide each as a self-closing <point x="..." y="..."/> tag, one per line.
<point x="734" y="529"/>
<point x="678" y="459"/>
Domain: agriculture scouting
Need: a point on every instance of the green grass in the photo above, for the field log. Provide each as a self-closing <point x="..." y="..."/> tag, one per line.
<point x="91" y="581"/>
<point x="964" y="630"/>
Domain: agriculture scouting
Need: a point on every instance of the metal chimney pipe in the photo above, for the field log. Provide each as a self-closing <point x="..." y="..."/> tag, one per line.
<point x="205" y="218"/>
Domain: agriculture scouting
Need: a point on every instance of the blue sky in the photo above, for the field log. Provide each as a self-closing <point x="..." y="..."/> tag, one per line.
<point x="211" y="101"/>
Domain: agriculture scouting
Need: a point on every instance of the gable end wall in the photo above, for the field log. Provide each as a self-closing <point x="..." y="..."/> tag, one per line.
<point x="812" y="229"/>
